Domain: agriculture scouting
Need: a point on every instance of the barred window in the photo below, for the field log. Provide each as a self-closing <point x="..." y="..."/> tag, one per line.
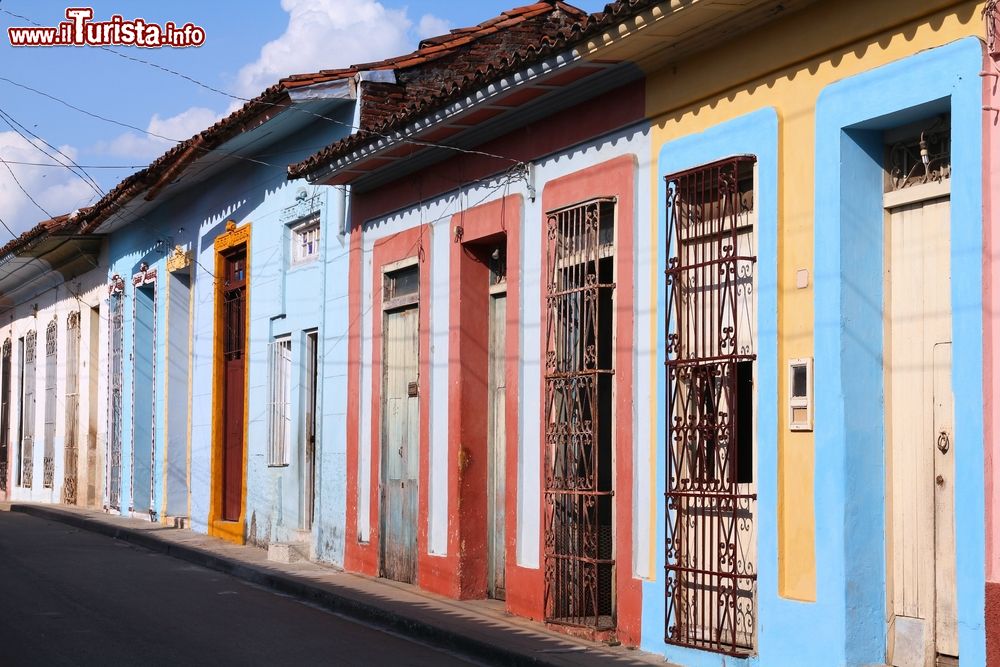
<point x="281" y="401"/>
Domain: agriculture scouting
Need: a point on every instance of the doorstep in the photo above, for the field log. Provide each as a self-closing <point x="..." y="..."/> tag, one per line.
<point x="479" y="629"/>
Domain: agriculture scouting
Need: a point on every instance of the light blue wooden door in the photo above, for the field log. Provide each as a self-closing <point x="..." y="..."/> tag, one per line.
<point x="400" y="445"/>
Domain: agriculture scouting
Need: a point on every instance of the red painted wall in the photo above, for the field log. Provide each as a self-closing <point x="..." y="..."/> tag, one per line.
<point x="468" y="372"/>
<point x="992" y="624"/>
<point x="613" y="178"/>
<point x="461" y="573"/>
<point x="608" y="112"/>
<point x="364" y="556"/>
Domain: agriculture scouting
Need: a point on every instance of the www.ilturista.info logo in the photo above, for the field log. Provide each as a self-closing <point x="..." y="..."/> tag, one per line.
<point x="80" y="30"/>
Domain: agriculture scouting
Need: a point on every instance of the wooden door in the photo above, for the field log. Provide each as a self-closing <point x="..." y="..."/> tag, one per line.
<point x="400" y="445"/>
<point x="143" y="397"/>
<point x="497" y="440"/>
<point x="49" y="406"/>
<point x="919" y="411"/>
<point x="28" y="411"/>
<point x="309" y="433"/>
<point x="4" y="414"/>
<point x="234" y="390"/>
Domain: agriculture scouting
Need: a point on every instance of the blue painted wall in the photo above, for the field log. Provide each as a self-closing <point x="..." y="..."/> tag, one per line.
<point x="753" y="134"/>
<point x="287" y="300"/>
<point x="252" y="190"/>
<point x="846" y="625"/>
<point x="850" y="453"/>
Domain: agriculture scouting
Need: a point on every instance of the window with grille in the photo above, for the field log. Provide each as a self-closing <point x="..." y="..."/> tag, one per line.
<point x="579" y="415"/>
<point x="281" y="401"/>
<point x="4" y="412"/>
<point x="305" y="241"/>
<point x="711" y="500"/>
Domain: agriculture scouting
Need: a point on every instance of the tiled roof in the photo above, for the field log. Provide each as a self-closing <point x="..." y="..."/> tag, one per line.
<point x="60" y="223"/>
<point x="440" y="69"/>
<point x="165" y="168"/>
<point x="503" y="45"/>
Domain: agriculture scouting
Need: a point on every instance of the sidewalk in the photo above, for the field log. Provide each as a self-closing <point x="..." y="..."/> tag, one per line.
<point x="478" y="629"/>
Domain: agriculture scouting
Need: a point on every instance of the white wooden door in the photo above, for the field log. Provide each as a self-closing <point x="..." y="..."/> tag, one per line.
<point x="308" y="478"/>
<point x="920" y="452"/>
<point x="496" y="490"/>
<point x="400" y="445"/>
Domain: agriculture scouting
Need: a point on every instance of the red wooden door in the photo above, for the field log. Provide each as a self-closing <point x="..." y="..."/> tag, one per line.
<point x="234" y="379"/>
<point x="233" y="447"/>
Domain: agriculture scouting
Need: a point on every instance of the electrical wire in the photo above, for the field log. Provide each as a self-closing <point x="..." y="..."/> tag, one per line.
<point x="48" y="216"/>
<point x="119" y="207"/>
<point x="81" y="174"/>
<point x="72" y="166"/>
<point x="245" y="100"/>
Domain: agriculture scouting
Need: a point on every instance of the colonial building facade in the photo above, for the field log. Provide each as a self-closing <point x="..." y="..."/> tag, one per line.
<point x="672" y="325"/>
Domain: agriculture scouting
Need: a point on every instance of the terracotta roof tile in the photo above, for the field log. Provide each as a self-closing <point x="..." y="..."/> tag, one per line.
<point x="428" y="76"/>
<point x="60" y="223"/>
<point x="521" y="42"/>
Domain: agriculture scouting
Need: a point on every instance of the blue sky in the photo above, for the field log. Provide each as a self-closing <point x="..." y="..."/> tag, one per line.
<point x="249" y="45"/>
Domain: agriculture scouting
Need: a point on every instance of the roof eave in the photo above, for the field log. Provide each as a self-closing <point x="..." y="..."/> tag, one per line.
<point x="534" y="73"/>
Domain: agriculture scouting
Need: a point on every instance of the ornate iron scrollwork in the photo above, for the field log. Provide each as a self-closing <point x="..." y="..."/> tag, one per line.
<point x="579" y="370"/>
<point x="711" y="581"/>
<point x="923" y="159"/>
<point x="115" y="400"/>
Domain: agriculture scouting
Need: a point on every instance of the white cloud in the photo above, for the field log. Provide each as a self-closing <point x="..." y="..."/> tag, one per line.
<point x="432" y="26"/>
<point x="330" y="34"/>
<point x="144" y="147"/>
<point x="56" y="189"/>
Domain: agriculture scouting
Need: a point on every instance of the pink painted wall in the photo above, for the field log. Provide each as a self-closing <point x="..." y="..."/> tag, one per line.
<point x="991" y="351"/>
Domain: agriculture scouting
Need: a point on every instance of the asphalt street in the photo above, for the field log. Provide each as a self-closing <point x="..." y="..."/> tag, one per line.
<point x="69" y="597"/>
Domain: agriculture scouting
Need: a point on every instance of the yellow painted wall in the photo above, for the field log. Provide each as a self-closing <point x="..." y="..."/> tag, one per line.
<point x="785" y="65"/>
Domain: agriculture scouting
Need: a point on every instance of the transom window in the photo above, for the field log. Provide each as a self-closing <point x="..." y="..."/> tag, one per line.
<point x="401" y="287"/>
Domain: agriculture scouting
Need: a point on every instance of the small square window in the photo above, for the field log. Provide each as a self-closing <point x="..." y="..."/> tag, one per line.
<point x="305" y="242"/>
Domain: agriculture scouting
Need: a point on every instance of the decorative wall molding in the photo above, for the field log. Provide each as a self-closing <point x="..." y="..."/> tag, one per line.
<point x="178" y="260"/>
<point x="305" y="206"/>
<point x="233" y="236"/>
<point x="145" y="276"/>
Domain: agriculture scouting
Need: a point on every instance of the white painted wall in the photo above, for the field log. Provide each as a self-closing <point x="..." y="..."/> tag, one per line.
<point x="437" y="213"/>
<point x="80" y="294"/>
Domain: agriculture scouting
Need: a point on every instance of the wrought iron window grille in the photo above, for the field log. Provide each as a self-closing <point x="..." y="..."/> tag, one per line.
<point x="5" y="369"/>
<point x="116" y="319"/>
<point x="72" y="407"/>
<point x="921" y="159"/>
<point x="711" y="580"/>
<point x="579" y="563"/>
<point x="28" y="411"/>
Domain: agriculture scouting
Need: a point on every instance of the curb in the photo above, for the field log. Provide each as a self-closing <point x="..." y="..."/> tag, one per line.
<point x="288" y="584"/>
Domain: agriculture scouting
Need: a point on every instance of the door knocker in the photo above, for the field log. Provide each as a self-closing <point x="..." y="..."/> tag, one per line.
<point x="943" y="442"/>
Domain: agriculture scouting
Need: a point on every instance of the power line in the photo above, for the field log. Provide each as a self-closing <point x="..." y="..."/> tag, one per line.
<point x="517" y="165"/>
<point x="48" y="215"/>
<point x="4" y="223"/>
<point x="82" y="175"/>
<point x="350" y="126"/>
<point x="81" y="166"/>
<point x="85" y="111"/>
